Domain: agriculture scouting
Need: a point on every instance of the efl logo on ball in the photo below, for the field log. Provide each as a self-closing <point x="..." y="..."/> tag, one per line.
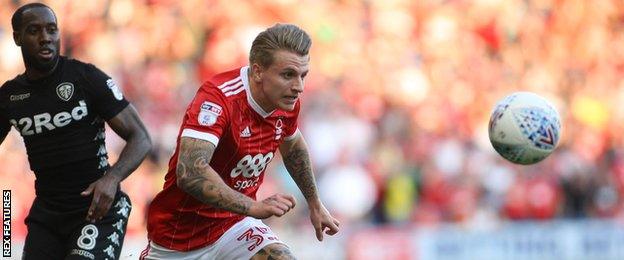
<point x="524" y="128"/>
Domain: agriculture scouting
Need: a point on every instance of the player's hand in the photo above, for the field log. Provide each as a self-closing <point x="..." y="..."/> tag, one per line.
<point x="103" y="190"/>
<point x="276" y="205"/>
<point x="323" y="221"/>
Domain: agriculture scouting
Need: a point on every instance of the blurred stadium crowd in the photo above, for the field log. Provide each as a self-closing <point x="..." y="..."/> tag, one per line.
<point x="396" y="105"/>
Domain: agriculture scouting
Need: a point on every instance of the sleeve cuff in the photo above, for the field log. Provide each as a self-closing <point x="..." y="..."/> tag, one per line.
<point x="201" y="135"/>
<point x="115" y="110"/>
<point x="293" y="136"/>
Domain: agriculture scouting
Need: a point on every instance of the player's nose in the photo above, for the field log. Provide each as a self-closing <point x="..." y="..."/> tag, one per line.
<point x="45" y="37"/>
<point x="298" y="86"/>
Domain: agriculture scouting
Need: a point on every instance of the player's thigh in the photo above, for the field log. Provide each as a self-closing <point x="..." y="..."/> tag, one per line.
<point x="276" y="251"/>
<point x="245" y="239"/>
<point x="102" y="239"/>
<point x="42" y="243"/>
<point x="157" y="252"/>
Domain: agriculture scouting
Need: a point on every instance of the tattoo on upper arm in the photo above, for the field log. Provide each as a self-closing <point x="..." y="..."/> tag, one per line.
<point x="192" y="172"/>
<point x="298" y="164"/>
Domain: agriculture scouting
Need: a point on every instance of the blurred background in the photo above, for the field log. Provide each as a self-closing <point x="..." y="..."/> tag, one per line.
<point x="395" y="112"/>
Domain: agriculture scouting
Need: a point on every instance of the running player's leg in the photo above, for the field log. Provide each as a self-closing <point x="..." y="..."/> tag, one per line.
<point x="275" y="251"/>
<point x="246" y="239"/>
<point x="251" y="239"/>
<point x="157" y="252"/>
<point x="42" y="243"/>
<point x="102" y="239"/>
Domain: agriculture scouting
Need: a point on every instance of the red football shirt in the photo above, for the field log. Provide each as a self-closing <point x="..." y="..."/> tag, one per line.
<point x="246" y="137"/>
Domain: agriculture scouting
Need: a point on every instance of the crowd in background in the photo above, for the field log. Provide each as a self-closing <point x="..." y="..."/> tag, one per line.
<point x="395" y="108"/>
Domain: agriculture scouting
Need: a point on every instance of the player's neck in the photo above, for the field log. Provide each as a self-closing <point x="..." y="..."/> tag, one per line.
<point x="32" y="73"/>
<point x="260" y="98"/>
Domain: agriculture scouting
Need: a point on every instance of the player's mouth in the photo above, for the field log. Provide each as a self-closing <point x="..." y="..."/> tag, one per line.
<point x="46" y="53"/>
<point x="290" y="99"/>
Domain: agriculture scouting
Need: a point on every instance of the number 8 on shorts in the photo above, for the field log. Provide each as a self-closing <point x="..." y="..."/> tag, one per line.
<point x="88" y="236"/>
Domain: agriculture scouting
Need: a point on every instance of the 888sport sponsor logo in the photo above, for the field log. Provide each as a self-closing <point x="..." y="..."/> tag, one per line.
<point x="250" y="167"/>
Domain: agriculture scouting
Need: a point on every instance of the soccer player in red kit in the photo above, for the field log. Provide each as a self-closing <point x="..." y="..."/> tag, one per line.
<point x="231" y="131"/>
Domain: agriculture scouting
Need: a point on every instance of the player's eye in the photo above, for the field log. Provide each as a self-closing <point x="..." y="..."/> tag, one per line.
<point x="288" y="75"/>
<point x="32" y="30"/>
<point x="52" y="29"/>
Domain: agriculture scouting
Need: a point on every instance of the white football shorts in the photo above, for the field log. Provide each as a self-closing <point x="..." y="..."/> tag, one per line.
<point x="241" y="241"/>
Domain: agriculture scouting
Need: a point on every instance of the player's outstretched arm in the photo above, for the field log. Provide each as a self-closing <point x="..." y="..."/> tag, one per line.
<point x="197" y="178"/>
<point x="128" y="126"/>
<point x="297" y="161"/>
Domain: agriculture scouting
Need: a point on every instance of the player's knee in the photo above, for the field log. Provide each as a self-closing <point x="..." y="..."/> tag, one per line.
<point x="274" y="251"/>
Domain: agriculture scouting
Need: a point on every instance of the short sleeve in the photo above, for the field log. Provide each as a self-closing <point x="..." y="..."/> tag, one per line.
<point x="293" y="126"/>
<point x="207" y="115"/>
<point x="106" y="95"/>
<point x="5" y="125"/>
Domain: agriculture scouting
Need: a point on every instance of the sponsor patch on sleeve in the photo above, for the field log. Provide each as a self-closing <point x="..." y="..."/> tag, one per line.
<point x="208" y="113"/>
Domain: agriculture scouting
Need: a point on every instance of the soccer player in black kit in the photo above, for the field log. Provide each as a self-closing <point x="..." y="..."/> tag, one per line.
<point x="59" y="106"/>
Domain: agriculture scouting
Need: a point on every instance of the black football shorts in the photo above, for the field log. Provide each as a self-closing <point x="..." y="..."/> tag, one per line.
<point x="54" y="234"/>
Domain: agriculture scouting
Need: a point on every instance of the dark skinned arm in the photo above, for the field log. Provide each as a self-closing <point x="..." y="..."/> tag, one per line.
<point x="129" y="127"/>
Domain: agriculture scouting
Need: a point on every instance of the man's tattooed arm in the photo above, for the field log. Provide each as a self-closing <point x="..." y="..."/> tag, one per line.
<point x="297" y="161"/>
<point x="197" y="178"/>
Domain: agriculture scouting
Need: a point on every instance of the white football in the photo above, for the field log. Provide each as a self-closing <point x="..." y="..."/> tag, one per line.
<point x="524" y="128"/>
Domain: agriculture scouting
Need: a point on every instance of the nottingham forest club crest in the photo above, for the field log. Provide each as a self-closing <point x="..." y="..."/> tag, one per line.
<point x="65" y="91"/>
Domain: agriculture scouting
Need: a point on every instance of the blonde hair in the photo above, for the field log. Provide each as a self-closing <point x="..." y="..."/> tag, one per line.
<point x="278" y="37"/>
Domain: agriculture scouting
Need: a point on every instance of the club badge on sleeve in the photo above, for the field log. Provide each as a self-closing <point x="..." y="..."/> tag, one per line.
<point x="208" y="113"/>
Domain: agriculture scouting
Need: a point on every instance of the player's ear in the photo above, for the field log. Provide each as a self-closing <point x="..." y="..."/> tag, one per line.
<point x="17" y="38"/>
<point x="256" y="72"/>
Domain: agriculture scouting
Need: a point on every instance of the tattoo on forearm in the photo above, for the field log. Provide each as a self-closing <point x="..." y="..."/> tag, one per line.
<point x="299" y="166"/>
<point x="192" y="172"/>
